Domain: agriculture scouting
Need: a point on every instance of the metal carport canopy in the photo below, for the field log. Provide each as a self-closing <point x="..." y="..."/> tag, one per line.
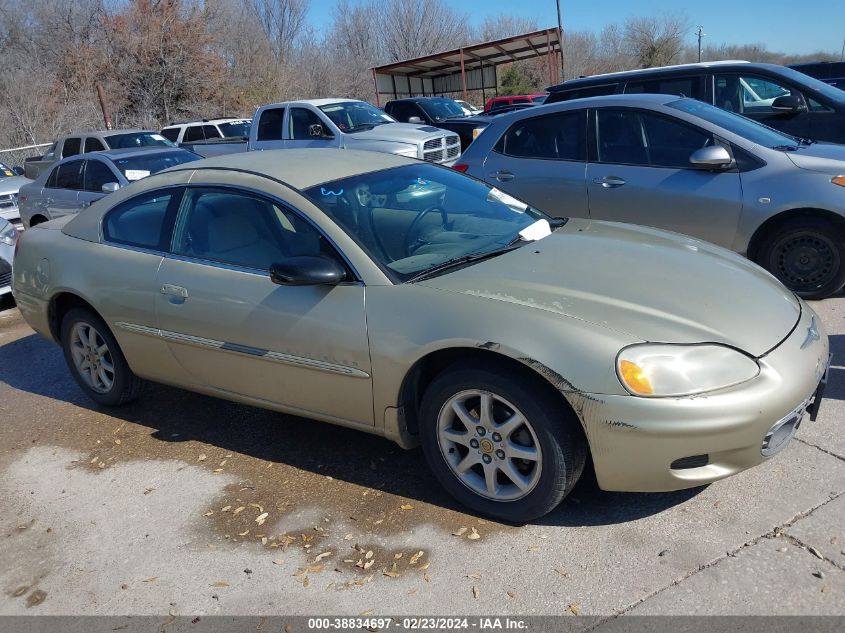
<point x="468" y="68"/>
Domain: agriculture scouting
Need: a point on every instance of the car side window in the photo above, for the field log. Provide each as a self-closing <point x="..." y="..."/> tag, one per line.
<point x="93" y="144"/>
<point x="96" y="175"/>
<point x="403" y="111"/>
<point x="686" y="86"/>
<point x="211" y="131"/>
<point x="71" y="146"/>
<point x="171" y="134"/>
<point x="300" y="121"/>
<point x="242" y="229"/>
<point x="69" y="175"/>
<point x="142" y="221"/>
<point x="620" y="137"/>
<point x="670" y="143"/>
<point x="193" y="133"/>
<point x="270" y="125"/>
<point x="558" y="137"/>
<point x="748" y="94"/>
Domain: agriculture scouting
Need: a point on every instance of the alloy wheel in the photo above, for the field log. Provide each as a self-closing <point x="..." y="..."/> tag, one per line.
<point x="489" y="445"/>
<point x="91" y="357"/>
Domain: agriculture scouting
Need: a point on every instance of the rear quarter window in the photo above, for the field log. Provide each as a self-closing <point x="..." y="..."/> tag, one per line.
<point x="143" y="222"/>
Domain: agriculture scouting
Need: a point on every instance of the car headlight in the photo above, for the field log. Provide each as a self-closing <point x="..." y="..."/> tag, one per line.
<point x="8" y="234"/>
<point x="655" y="370"/>
<point x="409" y="151"/>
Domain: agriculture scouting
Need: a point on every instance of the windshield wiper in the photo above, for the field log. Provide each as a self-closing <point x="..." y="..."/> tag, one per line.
<point x="465" y="259"/>
<point x="806" y="141"/>
<point x="785" y="148"/>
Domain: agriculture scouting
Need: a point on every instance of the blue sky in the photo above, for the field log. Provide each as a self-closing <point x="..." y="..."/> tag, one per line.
<point x="788" y="26"/>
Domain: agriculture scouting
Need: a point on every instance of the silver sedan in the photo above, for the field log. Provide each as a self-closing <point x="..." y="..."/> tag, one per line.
<point x="681" y="165"/>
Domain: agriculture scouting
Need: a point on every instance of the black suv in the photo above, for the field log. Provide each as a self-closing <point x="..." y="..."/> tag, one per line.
<point x="439" y="112"/>
<point x="780" y="97"/>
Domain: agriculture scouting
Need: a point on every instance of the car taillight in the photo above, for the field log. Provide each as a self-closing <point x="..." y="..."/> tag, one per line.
<point x="461" y="167"/>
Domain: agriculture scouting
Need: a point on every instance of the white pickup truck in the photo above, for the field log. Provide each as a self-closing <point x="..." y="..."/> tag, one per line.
<point x="343" y="123"/>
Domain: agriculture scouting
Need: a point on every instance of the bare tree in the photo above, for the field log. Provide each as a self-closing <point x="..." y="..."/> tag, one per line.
<point x="283" y="22"/>
<point x="501" y="26"/>
<point x="413" y="28"/>
<point x="655" y="40"/>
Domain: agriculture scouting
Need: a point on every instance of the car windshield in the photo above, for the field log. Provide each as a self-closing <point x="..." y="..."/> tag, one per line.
<point x="826" y="90"/>
<point x="414" y="219"/>
<point x="355" y="116"/>
<point x="235" y="128"/>
<point x="442" y="109"/>
<point x="129" y="140"/>
<point x="5" y="171"/>
<point x="751" y="130"/>
<point x="142" y="165"/>
<point x="539" y="99"/>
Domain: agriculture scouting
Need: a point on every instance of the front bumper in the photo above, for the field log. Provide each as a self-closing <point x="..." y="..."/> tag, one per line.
<point x="635" y="441"/>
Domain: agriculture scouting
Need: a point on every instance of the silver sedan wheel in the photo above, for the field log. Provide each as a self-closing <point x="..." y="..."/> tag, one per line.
<point x="92" y="357"/>
<point x="489" y="445"/>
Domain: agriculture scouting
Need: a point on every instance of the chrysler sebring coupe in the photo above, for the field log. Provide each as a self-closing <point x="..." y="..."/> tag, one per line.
<point x="408" y="300"/>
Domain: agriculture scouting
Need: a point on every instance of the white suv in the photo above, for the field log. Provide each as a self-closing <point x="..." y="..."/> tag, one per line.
<point x="206" y="129"/>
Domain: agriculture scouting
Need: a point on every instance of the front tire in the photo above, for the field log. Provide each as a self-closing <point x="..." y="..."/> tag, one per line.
<point x="96" y="361"/>
<point x="807" y="255"/>
<point x="500" y="442"/>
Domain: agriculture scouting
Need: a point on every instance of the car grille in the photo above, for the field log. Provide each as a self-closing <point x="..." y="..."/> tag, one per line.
<point x="8" y="200"/>
<point x="5" y="273"/>
<point x="439" y="150"/>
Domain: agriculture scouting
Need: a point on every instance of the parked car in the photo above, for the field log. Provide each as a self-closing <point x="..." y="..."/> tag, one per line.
<point x="8" y="238"/>
<point x="440" y="112"/>
<point x="74" y="144"/>
<point x="207" y="130"/>
<point x="469" y="109"/>
<point x="407" y="300"/>
<point x="10" y="184"/>
<point x="681" y="165"/>
<point x="780" y="97"/>
<point x="76" y="182"/>
<point x="497" y="102"/>
<point x="341" y="123"/>
<point x="832" y="73"/>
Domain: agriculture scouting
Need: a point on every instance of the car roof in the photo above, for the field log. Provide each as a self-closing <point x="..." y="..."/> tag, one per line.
<point x="108" y="132"/>
<point x="301" y="168"/>
<point x="417" y="99"/>
<point x="659" y="70"/>
<point x="313" y="102"/>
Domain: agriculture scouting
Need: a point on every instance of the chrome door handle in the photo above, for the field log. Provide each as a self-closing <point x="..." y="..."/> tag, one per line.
<point x="502" y="176"/>
<point x="609" y="182"/>
<point x="174" y="291"/>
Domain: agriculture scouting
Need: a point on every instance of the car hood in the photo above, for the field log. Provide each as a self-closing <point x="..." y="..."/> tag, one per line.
<point x="12" y="184"/>
<point x="652" y="285"/>
<point x="824" y="157"/>
<point x="399" y="132"/>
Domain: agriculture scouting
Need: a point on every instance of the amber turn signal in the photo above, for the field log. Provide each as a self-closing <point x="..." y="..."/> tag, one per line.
<point x="634" y="378"/>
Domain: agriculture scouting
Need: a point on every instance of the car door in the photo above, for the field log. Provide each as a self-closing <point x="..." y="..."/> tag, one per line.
<point x="753" y="95"/>
<point x="542" y="161"/>
<point x="232" y="329"/>
<point x="62" y="191"/>
<point x="96" y="174"/>
<point x="269" y="133"/>
<point x="304" y="128"/>
<point x="639" y="172"/>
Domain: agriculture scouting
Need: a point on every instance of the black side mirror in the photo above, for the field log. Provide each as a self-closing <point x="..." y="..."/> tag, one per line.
<point x="307" y="270"/>
<point x="18" y="170"/>
<point x="789" y="103"/>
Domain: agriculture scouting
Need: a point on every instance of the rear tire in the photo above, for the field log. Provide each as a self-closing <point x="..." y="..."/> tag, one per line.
<point x="96" y="361"/>
<point x="534" y="464"/>
<point x="807" y="254"/>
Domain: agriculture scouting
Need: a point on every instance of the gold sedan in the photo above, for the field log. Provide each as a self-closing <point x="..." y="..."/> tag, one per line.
<point x="408" y="300"/>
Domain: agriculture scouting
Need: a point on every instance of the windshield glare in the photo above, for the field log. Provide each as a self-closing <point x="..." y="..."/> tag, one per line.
<point x="5" y="171"/>
<point x="137" y="167"/>
<point x="412" y="218"/>
<point x="235" y="128"/>
<point x="442" y="109"/>
<point x="354" y="116"/>
<point x="137" y="139"/>
<point x="751" y="130"/>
